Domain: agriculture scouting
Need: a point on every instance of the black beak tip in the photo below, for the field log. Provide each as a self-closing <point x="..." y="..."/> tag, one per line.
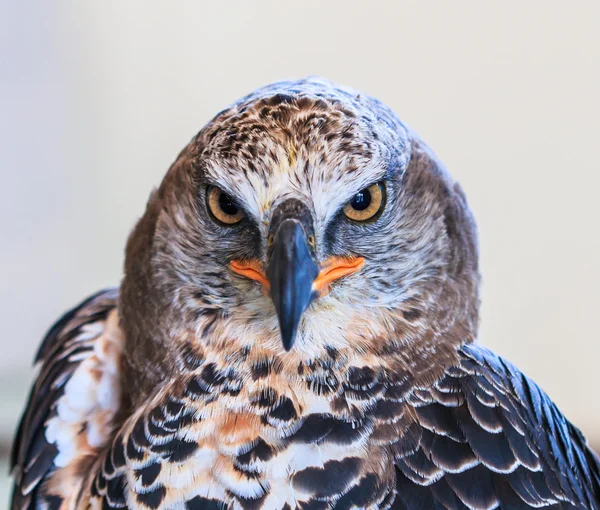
<point x="289" y="320"/>
<point x="287" y="339"/>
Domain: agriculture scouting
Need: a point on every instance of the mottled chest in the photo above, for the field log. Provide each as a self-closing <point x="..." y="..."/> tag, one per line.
<point x="265" y="441"/>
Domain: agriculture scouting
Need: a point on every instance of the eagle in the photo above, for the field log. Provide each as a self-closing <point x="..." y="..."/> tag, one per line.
<point x="295" y="329"/>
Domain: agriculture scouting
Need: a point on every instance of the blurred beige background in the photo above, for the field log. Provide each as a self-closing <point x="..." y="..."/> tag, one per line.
<point x="97" y="98"/>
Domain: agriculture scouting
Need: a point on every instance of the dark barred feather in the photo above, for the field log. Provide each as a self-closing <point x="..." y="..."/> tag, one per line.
<point x="490" y="438"/>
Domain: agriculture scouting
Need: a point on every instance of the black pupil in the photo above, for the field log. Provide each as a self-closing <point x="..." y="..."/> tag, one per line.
<point x="361" y="200"/>
<point x="227" y="205"/>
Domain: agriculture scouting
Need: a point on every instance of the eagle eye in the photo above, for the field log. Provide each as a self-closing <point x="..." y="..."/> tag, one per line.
<point x="222" y="207"/>
<point x="366" y="204"/>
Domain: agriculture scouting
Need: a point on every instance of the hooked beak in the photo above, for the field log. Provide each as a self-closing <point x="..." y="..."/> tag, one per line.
<point x="291" y="273"/>
<point x="292" y="277"/>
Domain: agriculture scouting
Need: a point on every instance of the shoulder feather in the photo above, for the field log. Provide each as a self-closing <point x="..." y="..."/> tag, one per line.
<point x="73" y="403"/>
<point x="486" y="422"/>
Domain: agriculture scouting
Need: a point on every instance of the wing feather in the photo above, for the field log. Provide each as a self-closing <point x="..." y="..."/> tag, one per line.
<point x="63" y="406"/>
<point x="494" y="439"/>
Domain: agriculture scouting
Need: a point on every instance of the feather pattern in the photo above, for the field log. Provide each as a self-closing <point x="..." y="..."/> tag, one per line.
<point x="72" y="406"/>
<point x="505" y="434"/>
<point x="220" y="439"/>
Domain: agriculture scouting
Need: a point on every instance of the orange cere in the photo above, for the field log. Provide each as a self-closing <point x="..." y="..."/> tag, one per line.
<point x="250" y="269"/>
<point x="333" y="269"/>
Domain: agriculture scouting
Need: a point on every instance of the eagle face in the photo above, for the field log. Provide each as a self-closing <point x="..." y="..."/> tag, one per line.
<point x="290" y="222"/>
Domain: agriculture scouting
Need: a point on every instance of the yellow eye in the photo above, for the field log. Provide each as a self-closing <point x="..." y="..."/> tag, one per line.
<point x="223" y="207"/>
<point x="365" y="204"/>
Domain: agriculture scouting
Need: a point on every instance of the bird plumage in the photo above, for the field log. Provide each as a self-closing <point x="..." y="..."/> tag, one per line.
<point x="175" y="391"/>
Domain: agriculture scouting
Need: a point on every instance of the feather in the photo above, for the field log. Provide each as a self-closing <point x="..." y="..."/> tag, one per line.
<point x="56" y="417"/>
<point x="512" y="441"/>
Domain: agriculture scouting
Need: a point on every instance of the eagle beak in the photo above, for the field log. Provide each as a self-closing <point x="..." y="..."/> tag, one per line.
<point x="292" y="277"/>
<point x="291" y="272"/>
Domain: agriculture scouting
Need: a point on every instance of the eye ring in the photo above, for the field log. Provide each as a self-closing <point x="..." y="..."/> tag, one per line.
<point x="222" y="207"/>
<point x="366" y="204"/>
